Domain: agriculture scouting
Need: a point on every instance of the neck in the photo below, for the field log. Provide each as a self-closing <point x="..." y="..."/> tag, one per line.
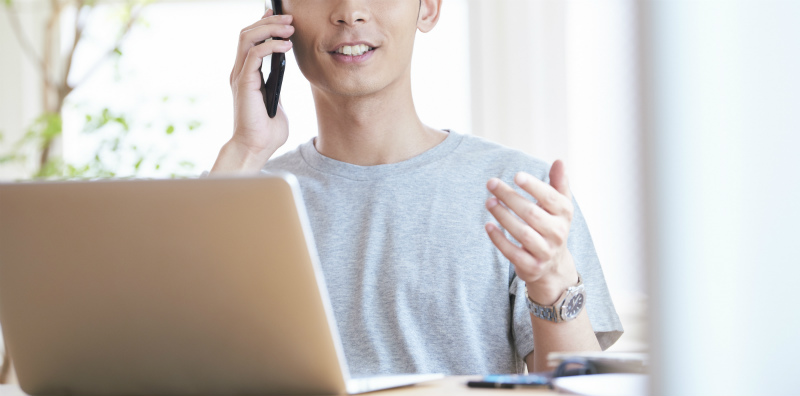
<point x="375" y="129"/>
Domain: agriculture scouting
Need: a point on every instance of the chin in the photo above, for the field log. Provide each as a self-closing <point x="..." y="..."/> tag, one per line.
<point x="361" y="88"/>
<point x="354" y="93"/>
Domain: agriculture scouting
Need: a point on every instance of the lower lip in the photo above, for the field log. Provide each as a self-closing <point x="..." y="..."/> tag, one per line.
<point x="353" y="59"/>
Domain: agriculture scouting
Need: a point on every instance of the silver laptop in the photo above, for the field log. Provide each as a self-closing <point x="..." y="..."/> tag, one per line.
<point x="168" y="287"/>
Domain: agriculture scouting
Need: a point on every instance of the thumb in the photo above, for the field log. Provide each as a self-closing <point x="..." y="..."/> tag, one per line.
<point x="558" y="178"/>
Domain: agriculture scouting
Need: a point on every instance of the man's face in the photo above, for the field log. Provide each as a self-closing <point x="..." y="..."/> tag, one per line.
<point x="324" y="27"/>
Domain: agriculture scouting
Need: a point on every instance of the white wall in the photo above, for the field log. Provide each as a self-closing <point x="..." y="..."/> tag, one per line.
<point x="20" y="81"/>
<point x="559" y="79"/>
<point x="723" y="130"/>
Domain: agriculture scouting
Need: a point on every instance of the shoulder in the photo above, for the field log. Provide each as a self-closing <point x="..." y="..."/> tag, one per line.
<point x="291" y="161"/>
<point x="499" y="160"/>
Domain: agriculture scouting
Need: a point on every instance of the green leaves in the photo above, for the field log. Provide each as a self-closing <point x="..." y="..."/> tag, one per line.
<point x="187" y="164"/>
<point x="97" y="122"/>
<point x="44" y="129"/>
<point x="123" y="148"/>
<point x="121" y="145"/>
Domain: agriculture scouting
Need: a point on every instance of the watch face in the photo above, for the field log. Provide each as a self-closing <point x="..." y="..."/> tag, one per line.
<point x="572" y="307"/>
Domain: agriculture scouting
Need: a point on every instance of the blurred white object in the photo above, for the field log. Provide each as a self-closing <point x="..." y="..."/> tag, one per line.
<point x="722" y="132"/>
<point x="11" y="390"/>
<point x="603" y="385"/>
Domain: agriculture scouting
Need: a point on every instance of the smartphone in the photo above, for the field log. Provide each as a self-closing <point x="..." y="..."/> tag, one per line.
<point x="271" y="88"/>
<point x="511" y="381"/>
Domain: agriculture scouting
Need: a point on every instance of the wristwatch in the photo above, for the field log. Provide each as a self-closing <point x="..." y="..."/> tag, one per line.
<point x="568" y="306"/>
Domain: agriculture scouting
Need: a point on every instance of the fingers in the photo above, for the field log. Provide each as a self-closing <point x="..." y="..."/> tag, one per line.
<point x="542" y="221"/>
<point x="550" y="199"/>
<point x="531" y="240"/>
<point x="523" y="261"/>
<point x="268" y="27"/>
<point x="265" y="19"/>
<point x="252" y="62"/>
<point x="558" y="179"/>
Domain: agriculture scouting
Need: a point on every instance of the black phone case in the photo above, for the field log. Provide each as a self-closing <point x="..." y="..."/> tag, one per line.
<point x="271" y="89"/>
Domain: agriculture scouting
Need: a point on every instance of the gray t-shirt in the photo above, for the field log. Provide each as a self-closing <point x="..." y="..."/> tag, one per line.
<point x="416" y="284"/>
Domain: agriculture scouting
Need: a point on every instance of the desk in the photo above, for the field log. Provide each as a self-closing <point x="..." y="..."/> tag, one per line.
<point x="443" y="387"/>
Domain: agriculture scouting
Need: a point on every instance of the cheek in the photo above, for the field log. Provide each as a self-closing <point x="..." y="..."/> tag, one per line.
<point x="303" y="50"/>
<point x="400" y="24"/>
<point x="298" y="39"/>
<point x="402" y="46"/>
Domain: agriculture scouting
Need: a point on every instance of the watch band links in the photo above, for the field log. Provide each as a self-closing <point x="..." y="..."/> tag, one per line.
<point x="546" y="313"/>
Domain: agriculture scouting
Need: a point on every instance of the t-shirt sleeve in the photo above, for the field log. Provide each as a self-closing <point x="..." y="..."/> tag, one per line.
<point x="521" y="329"/>
<point x="602" y="314"/>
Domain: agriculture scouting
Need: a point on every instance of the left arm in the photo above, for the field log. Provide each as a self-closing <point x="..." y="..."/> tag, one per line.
<point x="542" y="260"/>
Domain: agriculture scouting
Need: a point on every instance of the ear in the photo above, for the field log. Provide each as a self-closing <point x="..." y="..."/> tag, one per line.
<point x="429" y="12"/>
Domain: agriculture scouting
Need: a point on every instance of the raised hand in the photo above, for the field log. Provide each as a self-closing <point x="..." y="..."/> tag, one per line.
<point x="542" y="260"/>
<point x="255" y="136"/>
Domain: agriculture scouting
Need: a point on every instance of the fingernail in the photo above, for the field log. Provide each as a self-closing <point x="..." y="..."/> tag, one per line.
<point x="490" y="227"/>
<point x="492" y="184"/>
<point x="492" y="202"/>
<point x="522" y="178"/>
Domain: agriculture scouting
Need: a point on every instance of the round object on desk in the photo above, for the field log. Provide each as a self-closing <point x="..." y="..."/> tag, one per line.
<point x="603" y="385"/>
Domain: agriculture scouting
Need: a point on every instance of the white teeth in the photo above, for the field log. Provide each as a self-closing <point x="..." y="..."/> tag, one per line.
<point x="354" y="50"/>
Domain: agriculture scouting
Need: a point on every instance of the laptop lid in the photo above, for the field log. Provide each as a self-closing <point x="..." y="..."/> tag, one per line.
<point x="176" y="287"/>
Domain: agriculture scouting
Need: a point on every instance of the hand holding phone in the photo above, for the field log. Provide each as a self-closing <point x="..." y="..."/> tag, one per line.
<point x="260" y="124"/>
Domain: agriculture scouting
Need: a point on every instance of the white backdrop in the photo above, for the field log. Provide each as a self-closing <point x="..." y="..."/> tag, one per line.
<point x="723" y="133"/>
<point x="559" y="79"/>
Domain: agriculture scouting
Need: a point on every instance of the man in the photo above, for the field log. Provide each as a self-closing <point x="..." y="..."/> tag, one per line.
<point x="420" y="278"/>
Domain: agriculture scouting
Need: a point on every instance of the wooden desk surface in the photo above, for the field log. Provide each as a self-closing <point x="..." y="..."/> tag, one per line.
<point x="443" y="387"/>
<point x="457" y="386"/>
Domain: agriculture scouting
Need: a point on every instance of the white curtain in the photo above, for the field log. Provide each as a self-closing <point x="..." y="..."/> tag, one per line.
<point x="20" y="79"/>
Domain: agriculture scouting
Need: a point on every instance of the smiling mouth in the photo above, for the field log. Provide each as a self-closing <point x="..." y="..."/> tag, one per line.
<point x="353" y="50"/>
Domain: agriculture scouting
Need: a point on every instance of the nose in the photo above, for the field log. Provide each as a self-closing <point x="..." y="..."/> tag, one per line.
<point x="349" y="13"/>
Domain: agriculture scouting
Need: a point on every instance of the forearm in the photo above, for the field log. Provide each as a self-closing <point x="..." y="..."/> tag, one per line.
<point x="237" y="158"/>
<point x="572" y="336"/>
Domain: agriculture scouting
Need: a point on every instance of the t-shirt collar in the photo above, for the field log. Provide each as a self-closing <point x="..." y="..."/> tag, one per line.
<point x="357" y="172"/>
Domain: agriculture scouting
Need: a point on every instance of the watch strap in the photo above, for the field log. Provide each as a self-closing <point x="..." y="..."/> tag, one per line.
<point x="542" y="312"/>
<point x="550" y="313"/>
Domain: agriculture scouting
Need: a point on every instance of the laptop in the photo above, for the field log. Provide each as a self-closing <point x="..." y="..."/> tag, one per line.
<point x="169" y="287"/>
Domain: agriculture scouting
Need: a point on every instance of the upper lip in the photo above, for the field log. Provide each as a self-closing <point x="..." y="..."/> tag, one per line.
<point x="352" y="43"/>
